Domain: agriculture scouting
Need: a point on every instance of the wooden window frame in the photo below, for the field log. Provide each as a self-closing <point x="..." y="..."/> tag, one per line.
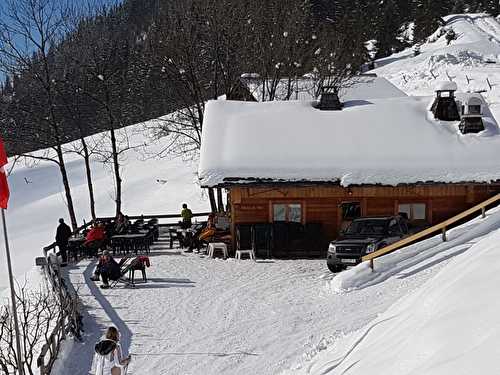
<point x="287" y="202"/>
<point x="361" y="209"/>
<point x="428" y="217"/>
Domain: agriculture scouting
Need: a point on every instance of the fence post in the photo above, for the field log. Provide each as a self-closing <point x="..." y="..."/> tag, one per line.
<point x="371" y="264"/>
<point x="443" y="231"/>
<point x="483" y="212"/>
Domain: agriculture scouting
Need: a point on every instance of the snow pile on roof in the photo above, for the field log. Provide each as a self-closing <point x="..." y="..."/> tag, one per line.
<point x="379" y="141"/>
<point x="363" y="87"/>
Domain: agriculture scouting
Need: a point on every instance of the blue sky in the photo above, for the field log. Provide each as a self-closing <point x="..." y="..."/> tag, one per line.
<point x="75" y="2"/>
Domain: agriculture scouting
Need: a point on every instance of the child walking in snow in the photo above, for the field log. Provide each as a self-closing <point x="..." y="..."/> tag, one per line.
<point x="108" y="357"/>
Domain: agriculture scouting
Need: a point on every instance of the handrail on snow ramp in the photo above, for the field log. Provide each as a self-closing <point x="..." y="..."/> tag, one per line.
<point x="435" y="228"/>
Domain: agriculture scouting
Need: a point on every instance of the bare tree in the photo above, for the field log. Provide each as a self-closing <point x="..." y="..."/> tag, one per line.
<point x="339" y="49"/>
<point x="196" y="49"/>
<point x="107" y="78"/>
<point x="38" y="312"/>
<point x="30" y="31"/>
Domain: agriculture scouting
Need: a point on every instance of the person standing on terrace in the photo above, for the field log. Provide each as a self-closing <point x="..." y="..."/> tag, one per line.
<point x="186" y="215"/>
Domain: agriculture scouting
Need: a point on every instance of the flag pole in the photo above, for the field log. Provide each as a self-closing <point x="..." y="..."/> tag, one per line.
<point x="13" y="297"/>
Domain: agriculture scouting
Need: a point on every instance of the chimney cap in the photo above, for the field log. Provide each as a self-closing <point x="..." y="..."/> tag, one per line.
<point x="446" y="86"/>
<point x="329" y="101"/>
<point x="329" y="89"/>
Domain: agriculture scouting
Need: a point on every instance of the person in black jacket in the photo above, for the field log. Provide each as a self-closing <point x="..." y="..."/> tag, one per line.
<point x="107" y="269"/>
<point x="63" y="234"/>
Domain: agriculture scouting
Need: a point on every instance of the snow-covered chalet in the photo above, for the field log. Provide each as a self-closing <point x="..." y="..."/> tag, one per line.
<point x="296" y="173"/>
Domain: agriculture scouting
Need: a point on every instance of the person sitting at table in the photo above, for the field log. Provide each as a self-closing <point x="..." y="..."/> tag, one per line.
<point x="95" y="239"/>
<point x="107" y="269"/>
<point x="63" y="233"/>
<point x="109" y="228"/>
<point x="121" y="224"/>
<point x="203" y="235"/>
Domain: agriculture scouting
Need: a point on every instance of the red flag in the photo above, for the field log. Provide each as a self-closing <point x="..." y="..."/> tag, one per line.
<point x="4" y="187"/>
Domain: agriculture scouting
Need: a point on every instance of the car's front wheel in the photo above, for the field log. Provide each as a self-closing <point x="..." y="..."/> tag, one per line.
<point x="336" y="267"/>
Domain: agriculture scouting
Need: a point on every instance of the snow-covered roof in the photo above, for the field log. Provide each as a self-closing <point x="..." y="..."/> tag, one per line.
<point x="305" y="88"/>
<point x="376" y="141"/>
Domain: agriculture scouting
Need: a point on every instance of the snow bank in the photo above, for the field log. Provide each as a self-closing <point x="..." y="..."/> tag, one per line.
<point x="377" y="141"/>
<point x="448" y="326"/>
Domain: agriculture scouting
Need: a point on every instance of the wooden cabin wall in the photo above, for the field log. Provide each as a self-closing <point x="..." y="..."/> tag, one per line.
<point x="320" y="203"/>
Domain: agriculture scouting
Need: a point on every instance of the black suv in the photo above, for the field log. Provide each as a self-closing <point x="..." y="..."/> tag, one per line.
<point x="364" y="236"/>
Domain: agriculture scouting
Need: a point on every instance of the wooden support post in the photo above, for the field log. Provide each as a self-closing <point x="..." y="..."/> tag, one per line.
<point x="211" y="197"/>
<point x="443" y="231"/>
<point x="483" y="212"/>
<point x="220" y="201"/>
<point x="371" y="264"/>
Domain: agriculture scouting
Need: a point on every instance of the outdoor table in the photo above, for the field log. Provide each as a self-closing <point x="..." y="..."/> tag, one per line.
<point x="130" y="242"/>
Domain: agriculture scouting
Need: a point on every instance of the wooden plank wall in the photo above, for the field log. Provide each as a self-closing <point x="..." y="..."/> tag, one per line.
<point x="252" y="205"/>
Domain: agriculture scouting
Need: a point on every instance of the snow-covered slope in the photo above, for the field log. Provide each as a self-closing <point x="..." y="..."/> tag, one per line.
<point x="37" y="196"/>
<point x="471" y="60"/>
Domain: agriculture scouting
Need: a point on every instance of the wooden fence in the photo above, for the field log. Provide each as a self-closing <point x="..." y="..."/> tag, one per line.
<point x="70" y="317"/>
<point x="441" y="227"/>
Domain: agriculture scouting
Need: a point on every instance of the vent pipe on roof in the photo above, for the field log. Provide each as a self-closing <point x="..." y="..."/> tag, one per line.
<point x="329" y="99"/>
<point x="445" y="107"/>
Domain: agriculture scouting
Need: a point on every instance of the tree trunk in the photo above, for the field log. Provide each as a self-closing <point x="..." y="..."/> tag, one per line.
<point x="116" y="167"/>
<point x="220" y="201"/>
<point x="211" y="197"/>
<point x="67" y="189"/>
<point x="86" y="157"/>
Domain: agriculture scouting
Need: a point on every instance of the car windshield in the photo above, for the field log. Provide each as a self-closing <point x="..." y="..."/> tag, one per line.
<point x="374" y="226"/>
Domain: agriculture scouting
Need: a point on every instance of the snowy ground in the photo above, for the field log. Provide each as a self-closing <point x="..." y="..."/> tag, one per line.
<point x="204" y="316"/>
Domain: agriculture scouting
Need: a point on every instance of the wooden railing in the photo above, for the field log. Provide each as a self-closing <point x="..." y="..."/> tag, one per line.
<point x="161" y="216"/>
<point x="441" y="227"/>
<point x="69" y="319"/>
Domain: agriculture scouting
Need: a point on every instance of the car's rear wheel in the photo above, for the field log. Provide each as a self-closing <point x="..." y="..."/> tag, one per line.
<point x="336" y="267"/>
